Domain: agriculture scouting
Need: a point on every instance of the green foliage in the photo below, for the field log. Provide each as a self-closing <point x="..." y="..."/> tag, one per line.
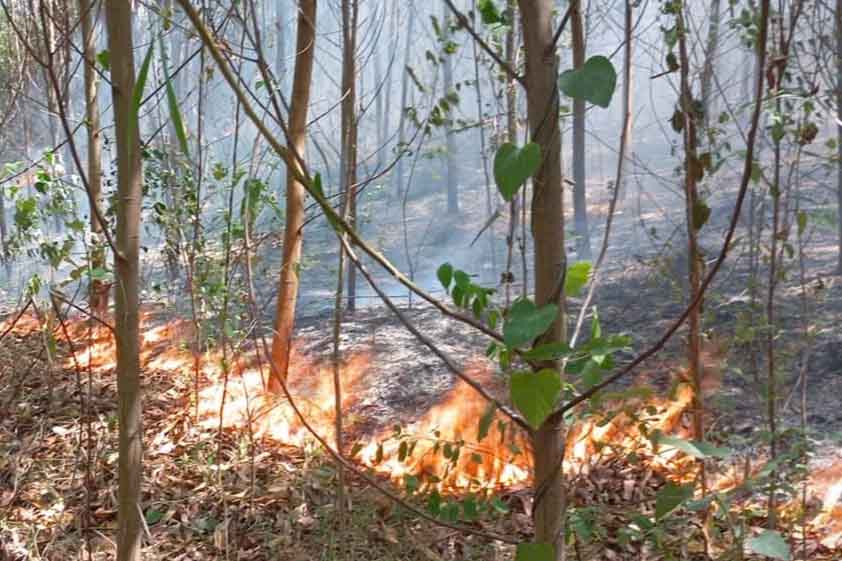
<point x="577" y="277"/>
<point x="595" y="82"/>
<point x="771" y="544"/>
<point x="489" y="13"/>
<point x="692" y="448"/>
<point x="526" y="321"/>
<point x="535" y="552"/>
<point x="535" y="394"/>
<point x="513" y="166"/>
<point x="137" y="97"/>
<point x="670" y="497"/>
<point x="172" y="104"/>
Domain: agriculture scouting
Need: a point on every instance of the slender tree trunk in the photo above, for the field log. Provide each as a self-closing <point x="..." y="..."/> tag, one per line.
<point x="126" y="298"/>
<point x="692" y="170"/>
<point x="3" y="234"/>
<point x="838" y="20"/>
<point x="379" y="109"/>
<point x="410" y="27"/>
<point x="483" y="145"/>
<point x="580" y="199"/>
<point x="288" y="296"/>
<point x="628" y="107"/>
<point x="350" y="12"/>
<point x="511" y="136"/>
<point x="98" y="297"/>
<point x="549" y="509"/>
<point x="711" y="53"/>
<point x="449" y="135"/>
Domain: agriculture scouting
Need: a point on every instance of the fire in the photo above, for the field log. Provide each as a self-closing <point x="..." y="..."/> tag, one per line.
<point x="443" y="449"/>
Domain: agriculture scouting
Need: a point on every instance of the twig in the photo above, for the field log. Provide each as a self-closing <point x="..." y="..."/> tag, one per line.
<point x="466" y="24"/>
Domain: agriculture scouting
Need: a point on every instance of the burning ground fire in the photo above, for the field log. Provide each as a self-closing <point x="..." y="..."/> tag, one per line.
<point x="440" y="449"/>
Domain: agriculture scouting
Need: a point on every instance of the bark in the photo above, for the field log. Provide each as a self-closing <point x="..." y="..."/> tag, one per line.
<point x="838" y="20"/>
<point x="288" y="296"/>
<point x="580" y="200"/>
<point x="3" y="233"/>
<point x="129" y="193"/>
<point x="98" y="297"/>
<point x="547" y="216"/>
<point x="694" y="270"/>
<point x="710" y="59"/>
<point x="511" y="136"/>
<point x="398" y="191"/>
<point x="350" y="12"/>
<point x="450" y="139"/>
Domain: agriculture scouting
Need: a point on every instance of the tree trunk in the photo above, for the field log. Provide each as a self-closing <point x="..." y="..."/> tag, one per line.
<point x="398" y="191"/>
<point x="511" y="136"/>
<point x="129" y="193"/>
<point x="288" y="296"/>
<point x="98" y="297"/>
<point x="350" y="12"/>
<point x="548" y="234"/>
<point x="694" y="273"/>
<point x="839" y="132"/>
<point x="450" y="139"/>
<point x="3" y="256"/>
<point x="580" y="200"/>
<point x="710" y="60"/>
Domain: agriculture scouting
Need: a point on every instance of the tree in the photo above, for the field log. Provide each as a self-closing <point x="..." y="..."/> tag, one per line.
<point x="838" y="29"/>
<point x="293" y="229"/>
<point x="98" y="295"/>
<point x="118" y="15"/>
<point x="580" y="200"/>
<point x="449" y="134"/>
<point x="548" y="233"/>
<point x="350" y="12"/>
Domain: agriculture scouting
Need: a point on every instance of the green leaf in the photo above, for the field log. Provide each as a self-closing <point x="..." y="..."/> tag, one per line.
<point x="137" y="97"/>
<point x="445" y="275"/>
<point x="535" y="394"/>
<point x="670" y="497"/>
<point x="485" y="422"/>
<point x="104" y="59"/>
<point x="594" y="82"/>
<point x="526" y="322"/>
<point x="693" y="448"/>
<point x="577" y="277"/>
<point x="172" y="103"/>
<point x="548" y="351"/>
<point x="99" y="274"/>
<point x="701" y="214"/>
<point x="771" y="544"/>
<point x="513" y="166"/>
<point x="535" y="552"/>
<point x="488" y="12"/>
<point x="802" y="222"/>
<point x="153" y="516"/>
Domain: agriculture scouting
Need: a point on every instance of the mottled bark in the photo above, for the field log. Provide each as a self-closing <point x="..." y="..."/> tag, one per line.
<point x="293" y="235"/>
<point x="126" y="294"/>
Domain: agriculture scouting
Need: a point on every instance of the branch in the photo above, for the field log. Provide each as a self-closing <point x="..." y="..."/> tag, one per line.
<point x="465" y="23"/>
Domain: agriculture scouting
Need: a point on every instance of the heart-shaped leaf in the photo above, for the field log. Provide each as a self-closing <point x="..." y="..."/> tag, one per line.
<point x="513" y="166"/>
<point x="535" y="394"/>
<point x="771" y="544"/>
<point x="577" y="276"/>
<point x="594" y="82"/>
<point x="526" y="322"/>
<point x="445" y="275"/>
<point x="670" y="497"/>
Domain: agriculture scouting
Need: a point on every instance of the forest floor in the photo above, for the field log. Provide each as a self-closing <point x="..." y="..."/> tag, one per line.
<point x="255" y="486"/>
